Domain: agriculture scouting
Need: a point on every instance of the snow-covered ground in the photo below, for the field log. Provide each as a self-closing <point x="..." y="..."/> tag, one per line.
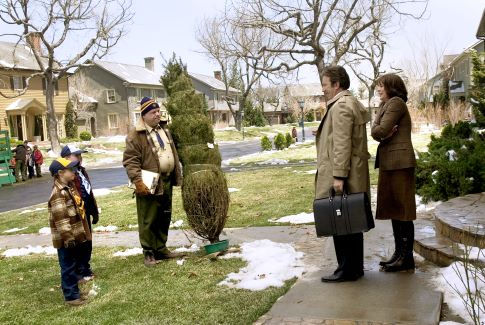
<point x="232" y="189"/>
<point x="103" y="191"/>
<point x="129" y="252"/>
<point x="273" y="161"/>
<point x="270" y="264"/>
<point x="296" y="218"/>
<point x="448" y="278"/>
<point x="28" y="250"/>
<point x="176" y="224"/>
<point x="193" y="248"/>
<point x="45" y="231"/>
<point x="112" y="139"/>
<point x="105" y="228"/>
<point x="34" y="210"/>
<point x="422" y="207"/>
<point x="9" y="231"/>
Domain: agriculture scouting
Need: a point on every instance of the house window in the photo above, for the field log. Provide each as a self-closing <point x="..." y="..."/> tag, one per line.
<point x="146" y="92"/>
<point x="224" y="117"/>
<point x="17" y="82"/>
<point x="158" y="93"/>
<point x="113" y="121"/>
<point x="110" y="96"/>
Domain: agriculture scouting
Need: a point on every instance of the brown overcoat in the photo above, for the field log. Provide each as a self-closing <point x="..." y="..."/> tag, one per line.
<point x="341" y="142"/>
<point x="140" y="153"/>
<point x="396" y="162"/>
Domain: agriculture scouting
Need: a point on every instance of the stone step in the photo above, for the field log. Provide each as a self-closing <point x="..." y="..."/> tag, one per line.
<point x="438" y="249"/>
<point x="462" y="220"/>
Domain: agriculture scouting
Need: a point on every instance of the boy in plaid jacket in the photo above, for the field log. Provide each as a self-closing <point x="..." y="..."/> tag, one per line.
<point x="69" y="227"/>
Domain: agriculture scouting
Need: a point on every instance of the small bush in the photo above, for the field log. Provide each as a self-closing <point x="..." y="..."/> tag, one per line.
<point x="266" y="144"/>
<point x="289" y="140"/>
<point x="453" y="165"/>
<point x="85" y="136"/>
<point x="70" y="121"/>
<point x="309" y="117"/>
<point x="279" y="142"/>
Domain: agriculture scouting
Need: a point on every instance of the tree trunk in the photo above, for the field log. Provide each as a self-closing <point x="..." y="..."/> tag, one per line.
<point x="51" y="114"/>
<point x="371" y="95"/>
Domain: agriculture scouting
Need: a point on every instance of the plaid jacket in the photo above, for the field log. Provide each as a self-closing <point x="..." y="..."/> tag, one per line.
<point x="66" y="215"/>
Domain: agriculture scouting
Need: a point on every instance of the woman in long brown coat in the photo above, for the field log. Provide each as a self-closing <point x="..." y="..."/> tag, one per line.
<point x="396" y="162"/>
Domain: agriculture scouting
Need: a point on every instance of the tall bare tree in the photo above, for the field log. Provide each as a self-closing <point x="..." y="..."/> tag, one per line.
<point x="320" y="32"/>
<point x="92" y="27"/>
<point x="229" y="43"/>
<point x="365" y="58"/>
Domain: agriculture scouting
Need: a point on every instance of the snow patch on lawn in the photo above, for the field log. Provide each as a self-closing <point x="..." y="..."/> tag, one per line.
<point x="45" y="231"/>
<point x="232" y="189"/>
<point x="24" y="251"/>
<point x="296" y="218"/>
<point x="176" y="224"/>
<point x="103" y="191"/>
<point x="34" y="210"/>
<point x="273" y="161"/>
<point x="52" y="154"/>
<point x="448" y="278"/>
<point x="422" y="207"/>
<point x="129" y="252"/>
<point x="193" y="248"/>
<point x="270" y="264"/>
<point x="132" y="226"/>
<point x="14" y="230"/>
<point x="94" y="290"/>
<point x="106" y="228"/>
<point x="181" y="262"/>
<point x="311" y="172"/>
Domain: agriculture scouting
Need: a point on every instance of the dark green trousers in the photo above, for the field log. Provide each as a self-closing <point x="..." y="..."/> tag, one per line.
<point x="154" y="216"/>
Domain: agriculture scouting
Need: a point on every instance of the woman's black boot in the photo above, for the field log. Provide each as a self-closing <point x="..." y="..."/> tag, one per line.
<point x="397" y="244"/>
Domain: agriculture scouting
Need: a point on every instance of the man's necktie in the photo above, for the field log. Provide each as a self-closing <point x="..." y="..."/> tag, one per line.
<point x="159" y="138"/>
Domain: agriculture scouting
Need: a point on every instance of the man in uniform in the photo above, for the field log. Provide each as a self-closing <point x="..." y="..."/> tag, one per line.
<point x="150" y="147"/>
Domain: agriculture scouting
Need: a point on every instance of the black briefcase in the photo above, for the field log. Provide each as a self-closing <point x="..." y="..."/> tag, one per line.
<point x="343" y="214"/>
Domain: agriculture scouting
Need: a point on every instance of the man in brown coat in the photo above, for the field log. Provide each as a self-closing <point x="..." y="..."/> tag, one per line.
<point x="342" y="158"/>
<point x="150" y="147"/>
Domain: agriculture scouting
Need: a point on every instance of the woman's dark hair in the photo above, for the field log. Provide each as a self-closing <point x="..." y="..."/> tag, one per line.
<point x="337" y="74"/>
<point x="393" y="85"/>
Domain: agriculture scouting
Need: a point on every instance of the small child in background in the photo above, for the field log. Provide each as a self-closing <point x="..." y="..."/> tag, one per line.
<point x="69" y="227"/>
<point x="38" y="160"/>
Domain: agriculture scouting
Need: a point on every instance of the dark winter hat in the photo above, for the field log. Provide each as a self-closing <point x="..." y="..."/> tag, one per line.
<point x="147" y="104"/>
<point x="61" y="164"/>
<point x="71" y="150"/>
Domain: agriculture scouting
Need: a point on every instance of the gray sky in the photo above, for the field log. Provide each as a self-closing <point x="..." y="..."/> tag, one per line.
<point x="169" y="26"/>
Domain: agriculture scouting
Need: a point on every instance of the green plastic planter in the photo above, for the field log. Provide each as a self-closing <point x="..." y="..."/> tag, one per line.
<point x="217" y="247"/>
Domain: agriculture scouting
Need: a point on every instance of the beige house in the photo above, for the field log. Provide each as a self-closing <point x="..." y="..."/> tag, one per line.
<point x="25" y="116"/>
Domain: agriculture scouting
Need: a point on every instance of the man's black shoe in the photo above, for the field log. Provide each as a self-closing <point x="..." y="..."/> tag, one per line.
<point x="334" y="278"/>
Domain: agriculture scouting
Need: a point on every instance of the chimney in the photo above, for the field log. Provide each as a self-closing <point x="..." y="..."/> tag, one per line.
<point x="33" y="39"/>
<point x="218" y="75"/>
<point x="150" y="63"/>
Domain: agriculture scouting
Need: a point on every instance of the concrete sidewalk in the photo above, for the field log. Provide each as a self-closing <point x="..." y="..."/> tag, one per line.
<point x="176" y="238"/>
<point x="378" y="298"/>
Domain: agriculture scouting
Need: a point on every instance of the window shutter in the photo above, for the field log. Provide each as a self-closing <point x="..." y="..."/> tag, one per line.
<point x="43" y="86"/>
<point x="11" y="83"/>
<point x="24" y="82"/>
<point x="57" y="87"/>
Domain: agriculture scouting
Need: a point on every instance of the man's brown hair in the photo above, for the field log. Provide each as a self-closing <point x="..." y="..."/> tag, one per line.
<point x="337" y="74"/>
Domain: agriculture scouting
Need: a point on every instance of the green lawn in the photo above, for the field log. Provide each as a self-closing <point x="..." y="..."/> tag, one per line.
<point x="130" y="293"/>
<point x="263" y="194"/>
<point x="257" y="132"/>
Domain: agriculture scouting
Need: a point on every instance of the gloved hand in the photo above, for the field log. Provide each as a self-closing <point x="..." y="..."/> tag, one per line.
<point x="95" y="219"/>
<point x="70" y="244"/>
<point x="141" y="189"/>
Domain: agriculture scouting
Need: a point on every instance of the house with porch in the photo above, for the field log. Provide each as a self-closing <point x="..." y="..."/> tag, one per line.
<point x="107" y="95"/>
<point x="25" y="116"/>
<point x="214" y="90"/>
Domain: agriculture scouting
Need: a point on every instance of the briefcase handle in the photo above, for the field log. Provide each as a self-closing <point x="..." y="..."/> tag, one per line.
<point x="332" y="193"/>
